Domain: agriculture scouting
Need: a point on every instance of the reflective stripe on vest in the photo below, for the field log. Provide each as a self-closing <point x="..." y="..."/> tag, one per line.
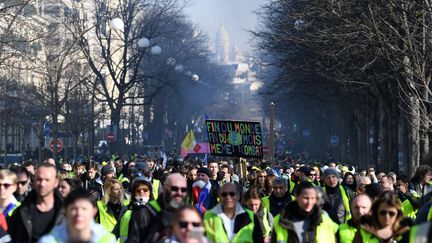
<point x="266" y="202"/>
<point x="107" y="220"/>
<point x="408" y="210"/>
<point x="325" y="231"/>
<point x="346" y="233"/>
<point x="155" y="186"/>
<point x="266" y="223"/>
<point x="292" y="185"/>
<point x="124" y="225"/>
<point x="419" y="233"/>
<point x="345" y="201"/>
<point x="215" y="229"/>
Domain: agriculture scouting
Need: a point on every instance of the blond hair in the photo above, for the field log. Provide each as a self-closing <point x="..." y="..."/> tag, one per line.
<point x="108" y="186"/>
<point x="5" y="173"/>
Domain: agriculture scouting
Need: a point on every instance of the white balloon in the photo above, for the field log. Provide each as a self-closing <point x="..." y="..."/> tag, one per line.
<point x="156" y="50"/>
<point x="117" y="24"/>
<point x="143" y="42"/>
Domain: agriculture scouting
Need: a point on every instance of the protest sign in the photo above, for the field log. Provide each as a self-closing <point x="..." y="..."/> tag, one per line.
<point x="234" y="138"/>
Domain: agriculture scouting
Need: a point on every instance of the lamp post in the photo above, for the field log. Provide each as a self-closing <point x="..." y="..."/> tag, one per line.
<point x="271" y="130"/>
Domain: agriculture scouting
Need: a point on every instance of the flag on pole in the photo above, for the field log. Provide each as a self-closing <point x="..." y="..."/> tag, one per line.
<point x="188" y="143"/>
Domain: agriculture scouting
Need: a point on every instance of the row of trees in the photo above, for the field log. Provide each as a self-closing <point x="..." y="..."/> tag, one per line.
<point x="78" y="63"/>
<point x="360" y="69"/>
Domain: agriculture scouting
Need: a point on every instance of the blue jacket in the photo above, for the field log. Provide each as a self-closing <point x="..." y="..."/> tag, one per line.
<point x="59" y="234"/>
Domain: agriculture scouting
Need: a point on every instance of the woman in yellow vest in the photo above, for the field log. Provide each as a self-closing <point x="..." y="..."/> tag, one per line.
<point x="302" y="220"/>
<point x="252" y="201"/>
<point x="141" y="191"/>
<point x="112" y="205"/>
<point x="383" y="225"/>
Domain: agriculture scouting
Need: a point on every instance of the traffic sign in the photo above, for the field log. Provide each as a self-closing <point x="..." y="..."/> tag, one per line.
<point x="334" y="140"/>
<point x="59" y="145"/>
<point x="110" y="137"/>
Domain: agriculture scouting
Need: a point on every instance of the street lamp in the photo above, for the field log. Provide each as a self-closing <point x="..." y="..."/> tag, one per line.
<point x="195" y="77"/>
<point x="156" y="50"/>
<point x="117" y="24"/>
<point x="143" y="42"/>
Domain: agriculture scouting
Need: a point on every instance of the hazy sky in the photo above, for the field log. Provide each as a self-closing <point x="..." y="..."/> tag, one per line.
<point x="237" y="15"/>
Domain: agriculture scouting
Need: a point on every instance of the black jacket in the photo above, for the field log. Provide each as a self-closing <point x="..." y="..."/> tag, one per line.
<point x="291" y="213"/>
<point x="149" y="225"/>
<point x="20" y="223"/>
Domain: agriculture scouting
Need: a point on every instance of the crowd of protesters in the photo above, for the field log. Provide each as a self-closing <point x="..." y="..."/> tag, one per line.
<point x="145" y="200"/>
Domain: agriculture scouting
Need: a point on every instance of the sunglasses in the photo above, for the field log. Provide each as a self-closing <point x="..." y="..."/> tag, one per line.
<point x="176" y="189"/>
<point x="312" y="174"/>
<point x="5" y="185"/>
<point x="142" y="189"/>
<point x="22" y="183"/>
<point x="185" y="224"/>
<point x="385" y="212"/>
<point x="225" y="194"/>
<point x="371" y="170"/>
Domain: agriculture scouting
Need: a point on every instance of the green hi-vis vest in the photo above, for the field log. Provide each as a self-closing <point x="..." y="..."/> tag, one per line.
<point x="124" y="226"/>
<point x="345" y="200"/>
<point x="346" y="233"/>
<point x="408" y="209"/>
<point x="155" y="186"/>
<point x="266" y="202"/>
<point x="419" y="233"/>
<point x="215" y="229"/>
<point x="122" y="178"/>
<point x="107" y="220"/>
<point x="429" y="217"/>
<point x="325" y="232"/>
<point x="9" y="214"/>
<point x="108" y="237"/>
<point x="266" y="223"/>
<point x="367" y="237"/>
<point x="292" y="185"/>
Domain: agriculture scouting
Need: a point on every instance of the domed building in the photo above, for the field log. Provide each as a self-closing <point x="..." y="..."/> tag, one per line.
<point x="222" y="46"/>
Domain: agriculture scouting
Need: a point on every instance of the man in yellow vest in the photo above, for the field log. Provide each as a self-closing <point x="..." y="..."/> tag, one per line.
<point x="337" y="197"/>
<point x="228" y="221"/>
<point x="360" y="206"/>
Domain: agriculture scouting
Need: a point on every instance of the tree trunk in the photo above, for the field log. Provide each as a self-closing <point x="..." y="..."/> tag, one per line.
<point x="414" y="135"/>
<point x="384" y="135"/>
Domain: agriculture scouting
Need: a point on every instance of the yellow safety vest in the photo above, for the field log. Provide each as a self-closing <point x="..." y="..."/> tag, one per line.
<point x="346" y="233"/>
<point x="345" y="201"/>
<point x="325" y="232"/>
<point x="124" y="226"/>
<point x="292" y="185"/>
<point x="108" y="221"/>
<point x="419" y="233"/>
<point x="155" y="186"/>
<point x="429" y="217"/>
<point x="266" y="223"/>
<point x="215" y="229"/>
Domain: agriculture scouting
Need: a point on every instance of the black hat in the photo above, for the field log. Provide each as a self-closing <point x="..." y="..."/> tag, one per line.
<point x="107" y="169"/>
<point x="204" y="170"/>
<point x="305" y="170"/>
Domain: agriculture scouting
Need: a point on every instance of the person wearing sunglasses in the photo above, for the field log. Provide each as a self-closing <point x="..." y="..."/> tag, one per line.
<point x="8" y="185"/>
<point x="384" y="223"/>
<point x="303" y="220"/>
<point x="23" y="182"/>
<point x="229" y="221"/>
<point x="141" y="194"/>
<point x="152" y="222"/>
<point x="187" y="226"/>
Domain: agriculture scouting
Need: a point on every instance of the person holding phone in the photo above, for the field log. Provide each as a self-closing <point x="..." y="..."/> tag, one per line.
<point x="187" y="226"/>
